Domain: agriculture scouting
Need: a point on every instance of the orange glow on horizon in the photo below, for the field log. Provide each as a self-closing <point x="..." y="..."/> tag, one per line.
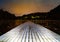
<point x="22" y="9"/>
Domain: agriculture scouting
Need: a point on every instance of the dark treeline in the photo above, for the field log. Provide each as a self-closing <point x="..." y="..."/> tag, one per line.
<point x="33" y="16"/>
<point x="6" y="15"/>
<point x="54" y="14"/>
<point x="6" y="21"/>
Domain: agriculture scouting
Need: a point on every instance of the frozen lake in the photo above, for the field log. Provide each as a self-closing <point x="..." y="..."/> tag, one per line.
<point x="30" y="32"/>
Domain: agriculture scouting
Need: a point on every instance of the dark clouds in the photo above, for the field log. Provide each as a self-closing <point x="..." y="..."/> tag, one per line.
<point x="55" y="2"/>
<point x="43" y="2"/>
<point x="3" y="2"/>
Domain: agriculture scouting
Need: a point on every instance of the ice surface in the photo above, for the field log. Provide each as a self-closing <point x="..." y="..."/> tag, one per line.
<point x="30" y="32"/>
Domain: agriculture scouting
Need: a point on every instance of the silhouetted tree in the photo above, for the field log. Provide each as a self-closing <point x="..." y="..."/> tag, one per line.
<point x="54" y="14"/>
<point x="6" y="15"/>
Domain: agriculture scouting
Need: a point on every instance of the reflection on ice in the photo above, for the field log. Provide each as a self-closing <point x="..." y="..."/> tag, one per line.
<point x="30" y="32"/>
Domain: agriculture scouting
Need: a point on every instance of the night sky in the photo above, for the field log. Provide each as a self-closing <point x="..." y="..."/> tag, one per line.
<point x="20" y="7"/>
